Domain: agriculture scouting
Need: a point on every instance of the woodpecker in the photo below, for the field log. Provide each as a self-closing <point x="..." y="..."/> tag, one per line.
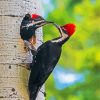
<point x="29" y="25"/>
<point x="46" y="58"/>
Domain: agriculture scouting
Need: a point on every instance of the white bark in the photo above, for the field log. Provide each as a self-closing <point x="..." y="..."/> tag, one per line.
<point x="13" y="74"/>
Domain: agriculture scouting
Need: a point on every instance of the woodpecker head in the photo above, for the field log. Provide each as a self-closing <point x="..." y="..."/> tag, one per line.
<point x="69" y="29"/>
<point x="36" y="17"/>
<point x="39" y="21"/>
<point x="27" y="17"/>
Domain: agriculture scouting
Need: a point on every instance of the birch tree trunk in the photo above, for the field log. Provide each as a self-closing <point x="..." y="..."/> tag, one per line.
<point x="13" y="73"/>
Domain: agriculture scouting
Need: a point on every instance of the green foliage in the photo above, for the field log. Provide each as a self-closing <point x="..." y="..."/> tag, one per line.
<point x="82" y="51"/>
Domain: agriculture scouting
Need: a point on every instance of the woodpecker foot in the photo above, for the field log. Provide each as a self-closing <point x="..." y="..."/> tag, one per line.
<point x="27" y="66"/>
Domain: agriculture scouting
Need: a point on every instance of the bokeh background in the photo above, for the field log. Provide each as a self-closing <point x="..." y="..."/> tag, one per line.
<point x="77" y="75"/>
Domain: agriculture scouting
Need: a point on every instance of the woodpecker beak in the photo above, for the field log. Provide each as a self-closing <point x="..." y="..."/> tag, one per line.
<point x="42" y="23"/>
<point x="38" y="21"/>
<point x="59" y="28"/>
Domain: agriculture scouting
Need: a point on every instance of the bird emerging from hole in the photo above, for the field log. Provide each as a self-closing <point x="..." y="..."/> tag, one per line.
<point x="46" y="58"/>
<point x="28" y="27"/>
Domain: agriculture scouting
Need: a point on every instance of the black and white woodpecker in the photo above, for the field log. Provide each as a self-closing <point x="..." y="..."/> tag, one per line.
<point x="46" y="58"/>
<point x="29" y="25"/>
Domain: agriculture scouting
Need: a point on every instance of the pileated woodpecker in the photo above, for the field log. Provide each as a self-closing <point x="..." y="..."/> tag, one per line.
<point x="46" y="58"/>
<point x="29" y="25"/>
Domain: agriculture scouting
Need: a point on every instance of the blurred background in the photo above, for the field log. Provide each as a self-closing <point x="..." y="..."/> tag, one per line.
<point x="77" y="75"/>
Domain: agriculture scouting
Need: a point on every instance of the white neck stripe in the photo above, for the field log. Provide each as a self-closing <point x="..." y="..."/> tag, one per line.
<point x="60" y="39"/>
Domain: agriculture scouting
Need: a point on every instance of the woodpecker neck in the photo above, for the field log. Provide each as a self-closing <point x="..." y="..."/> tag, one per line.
<point x="62" y="39"/>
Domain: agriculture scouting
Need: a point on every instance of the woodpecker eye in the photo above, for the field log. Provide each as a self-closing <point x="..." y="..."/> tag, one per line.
<point x="64" y="30"/>
<point x="33" y="22"/>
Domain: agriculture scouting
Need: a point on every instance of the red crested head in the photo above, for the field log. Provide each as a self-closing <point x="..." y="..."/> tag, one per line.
<point x="69" y="28"/>
<point x="34" y="16"/>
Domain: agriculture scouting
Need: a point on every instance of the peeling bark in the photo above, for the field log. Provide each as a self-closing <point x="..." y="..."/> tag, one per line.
<point x="13" y="57"/>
